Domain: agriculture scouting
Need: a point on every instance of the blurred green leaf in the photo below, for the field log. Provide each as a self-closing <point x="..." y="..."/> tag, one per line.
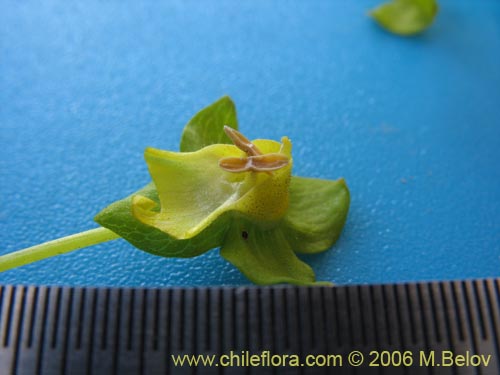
<point x="406" y="17"/>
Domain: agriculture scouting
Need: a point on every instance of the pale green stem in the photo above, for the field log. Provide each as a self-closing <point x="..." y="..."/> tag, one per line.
<point x="56" y="247"/>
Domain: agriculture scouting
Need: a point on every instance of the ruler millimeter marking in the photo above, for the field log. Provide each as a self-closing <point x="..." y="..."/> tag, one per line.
<point x="63" y="330"/>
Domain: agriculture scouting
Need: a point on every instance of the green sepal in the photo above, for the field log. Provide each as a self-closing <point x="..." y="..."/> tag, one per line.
<point x="206" y="127"/>
<point x="264" y="255"/>
<point x="118" y="218"/>
<point x="316" y="214"/>
<point x="406" y="17"/>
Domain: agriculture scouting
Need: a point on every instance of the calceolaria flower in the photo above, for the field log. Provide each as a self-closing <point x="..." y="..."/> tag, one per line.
<point x="221" y="191"/>
<point x="240" y="197"/>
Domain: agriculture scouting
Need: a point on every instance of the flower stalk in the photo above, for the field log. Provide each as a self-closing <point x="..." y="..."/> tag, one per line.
<point x="56" y="247"/>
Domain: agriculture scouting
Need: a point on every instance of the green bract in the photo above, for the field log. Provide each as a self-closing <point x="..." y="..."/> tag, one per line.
<point x="243" y="200"/>
<point x="406" y="17"/>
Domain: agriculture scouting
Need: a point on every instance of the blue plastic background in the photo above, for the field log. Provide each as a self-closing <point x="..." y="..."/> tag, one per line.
<point x="412" y="124"/>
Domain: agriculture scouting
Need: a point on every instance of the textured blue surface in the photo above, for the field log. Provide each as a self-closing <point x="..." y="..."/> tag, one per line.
<point x="412" y="124"/>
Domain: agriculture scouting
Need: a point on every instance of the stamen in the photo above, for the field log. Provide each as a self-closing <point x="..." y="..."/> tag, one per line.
<point x="259" y="163"/>
<point x="242" y="142"/>
<point x="234" y="165"/>
<point x="268" y="162"/>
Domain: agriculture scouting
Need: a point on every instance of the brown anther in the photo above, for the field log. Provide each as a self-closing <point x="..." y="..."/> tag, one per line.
<point x="259" y="163"/>
<point x="242" y="142"/>
<point x="256" y="161"/>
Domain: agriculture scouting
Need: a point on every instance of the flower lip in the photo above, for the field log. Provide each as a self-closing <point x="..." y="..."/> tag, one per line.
<point x="194" y="191"/>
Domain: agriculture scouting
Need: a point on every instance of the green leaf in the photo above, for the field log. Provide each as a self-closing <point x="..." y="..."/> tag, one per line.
<point x="264" y="256"/>
<point x="206" y="127"/>
<point x="317" y="213"/>
<point x="406" y="17"/>
<point x="118" y="218"/>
